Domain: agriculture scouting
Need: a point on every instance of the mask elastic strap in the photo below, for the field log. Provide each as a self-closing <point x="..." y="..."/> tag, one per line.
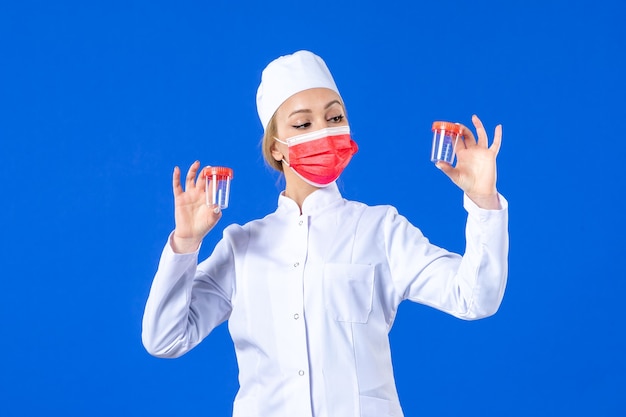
<point x="284" y="143"/>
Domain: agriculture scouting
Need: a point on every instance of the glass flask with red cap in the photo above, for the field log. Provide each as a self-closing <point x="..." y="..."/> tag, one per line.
<point x="446" y="137"/>
<point x="217" y="186"/>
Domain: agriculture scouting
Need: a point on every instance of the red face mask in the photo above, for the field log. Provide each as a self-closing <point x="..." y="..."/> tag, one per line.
<point x="319" y="157"/>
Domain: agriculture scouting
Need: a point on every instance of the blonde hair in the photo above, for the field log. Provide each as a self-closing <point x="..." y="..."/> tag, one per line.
<point x="268" y="144"/>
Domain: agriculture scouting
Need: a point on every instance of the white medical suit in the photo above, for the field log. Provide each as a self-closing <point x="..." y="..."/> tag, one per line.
<point x="311" y="297"/>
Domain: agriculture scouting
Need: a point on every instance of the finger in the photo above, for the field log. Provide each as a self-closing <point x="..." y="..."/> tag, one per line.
<point x="447" y="169"/>
<point x="468" y="135"/>
<point x="480" y="131"/>
<point x="204" y="180"/>
<point x="497" y="140"/>
<point x="214" y="217"/>
<point x="190" y="180"/>
<point x="177" y="188"/>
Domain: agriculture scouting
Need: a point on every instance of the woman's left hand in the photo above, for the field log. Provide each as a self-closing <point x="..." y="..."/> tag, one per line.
<point x="475" y="170"/>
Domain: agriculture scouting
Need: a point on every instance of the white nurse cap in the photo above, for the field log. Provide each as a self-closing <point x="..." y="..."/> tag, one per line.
<point x="288" y="75"/>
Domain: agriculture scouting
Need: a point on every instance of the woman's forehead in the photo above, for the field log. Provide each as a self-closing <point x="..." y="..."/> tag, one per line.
<point x="314" y="99"/>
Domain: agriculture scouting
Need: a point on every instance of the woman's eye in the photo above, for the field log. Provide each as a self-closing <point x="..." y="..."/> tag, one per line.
<point x="303" y="125"/>
<point x="336" y="119"/>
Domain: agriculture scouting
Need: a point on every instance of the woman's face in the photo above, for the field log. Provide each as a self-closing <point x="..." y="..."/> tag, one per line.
<point x="307" y="111"/>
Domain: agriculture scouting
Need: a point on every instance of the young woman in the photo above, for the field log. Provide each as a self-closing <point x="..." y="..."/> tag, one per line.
<point x="311" y="291"/>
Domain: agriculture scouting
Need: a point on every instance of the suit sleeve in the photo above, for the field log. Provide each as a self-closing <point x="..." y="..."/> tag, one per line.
<point x="187" y="301"/>
<point x="469" y="286"/>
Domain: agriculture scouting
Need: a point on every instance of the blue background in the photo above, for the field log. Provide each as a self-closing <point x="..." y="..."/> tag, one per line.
<point x="99" y="100"/>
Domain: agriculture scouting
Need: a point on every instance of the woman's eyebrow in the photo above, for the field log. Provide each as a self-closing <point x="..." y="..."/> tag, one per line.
<point x="326" y="107"/>
<point x="300" y="111"/>
<point x="331" y="103"/>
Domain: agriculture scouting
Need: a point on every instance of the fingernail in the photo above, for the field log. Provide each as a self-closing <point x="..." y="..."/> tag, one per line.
<point x="216" y="210"/>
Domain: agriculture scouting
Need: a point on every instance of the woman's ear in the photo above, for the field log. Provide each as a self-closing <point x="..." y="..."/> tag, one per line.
<point x="278" y="155"/>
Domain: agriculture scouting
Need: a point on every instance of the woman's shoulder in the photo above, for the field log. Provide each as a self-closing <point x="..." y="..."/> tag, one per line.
<point x="369" y="216"/>
<point x="236" y="229"/>
<point x="372" y="210"/>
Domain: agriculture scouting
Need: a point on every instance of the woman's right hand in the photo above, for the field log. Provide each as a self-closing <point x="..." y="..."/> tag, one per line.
<point x="194" y="219"/>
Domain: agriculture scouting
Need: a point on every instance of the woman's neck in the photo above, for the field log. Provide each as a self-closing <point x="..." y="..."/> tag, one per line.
<point x="297" y="189"/>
